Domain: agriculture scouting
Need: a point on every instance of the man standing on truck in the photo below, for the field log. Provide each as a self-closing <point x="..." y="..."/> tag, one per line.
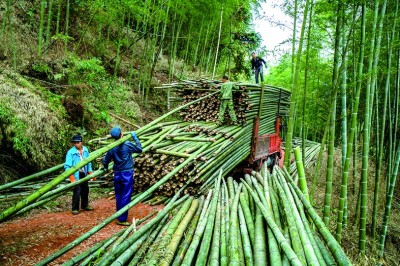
<point x="257" y="66"/>
<point x="226" y="100"/>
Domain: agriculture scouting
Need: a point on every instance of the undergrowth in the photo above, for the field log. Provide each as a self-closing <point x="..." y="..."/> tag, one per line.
<point x="350" y="233"/>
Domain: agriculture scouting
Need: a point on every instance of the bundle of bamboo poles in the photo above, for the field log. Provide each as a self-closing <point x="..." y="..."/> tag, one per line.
<point x="245" y="97"/>
<point x="263" y="219"/>
<point x="208" y="110"/>
<point x="169" y="145"/>
<point x="140" y="242"/>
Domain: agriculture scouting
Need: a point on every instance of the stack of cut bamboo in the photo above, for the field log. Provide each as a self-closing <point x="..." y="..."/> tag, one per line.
<point x="207" y="110"/>
<point x="263" y="219"/>
<point x="245" y="98"/>
<point x="227" y="145"/>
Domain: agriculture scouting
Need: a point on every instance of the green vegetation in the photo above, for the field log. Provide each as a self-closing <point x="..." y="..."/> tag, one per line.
<point x="84" y="66"/>
<point x="93" y="61"/>
<point x="350" y="51"/>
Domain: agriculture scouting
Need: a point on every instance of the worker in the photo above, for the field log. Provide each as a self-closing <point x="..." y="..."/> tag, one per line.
<point x="123" y="170"/>
<point x="257" y="66"/>
<point x="226" y="100"/>
<point x="80" y="193"/>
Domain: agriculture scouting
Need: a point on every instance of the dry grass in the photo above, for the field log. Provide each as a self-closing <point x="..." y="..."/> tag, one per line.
<point x="350" y="234"/>
<point x="33" y="128"/>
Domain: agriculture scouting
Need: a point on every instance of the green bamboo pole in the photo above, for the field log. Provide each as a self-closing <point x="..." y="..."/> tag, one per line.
<point x="343" y="89"/>
<point x="139" y="254"/>
<point x="248" y="217"/>
<point x="41" y="22"/>
<point x="94" y="249"/>
<point x="300" y="171"/>
<point x="207" y="236"/>
<point x="49" y="18"/>
<point x="275" y="229"/>
<point x="233" y="246"/>
<point x="58" y="16"/>
<point x="191" y="251"/>
<point x="329" y="172"/>
<point x="160" y="254"/>
<point x="225" y="225"/>
<point x="389" y="198"/>
<point x="303" y="124"/>
<point x="177" y="154"/>
<point x="189" y="233"/>
<point x="331" y="242"/>
<point x="30" y="177"/>
<point x="343" y="188"/>
<point x="295" y="234"/>
<point x="383" y="127"/>
<point x="324" y="251"/>
<point x="247" y="247"/>
<point x="107" y="260"/>
<point x="216" y="244"/>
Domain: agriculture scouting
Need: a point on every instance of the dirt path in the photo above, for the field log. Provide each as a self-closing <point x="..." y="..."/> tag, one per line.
<point x="26" y="241"/>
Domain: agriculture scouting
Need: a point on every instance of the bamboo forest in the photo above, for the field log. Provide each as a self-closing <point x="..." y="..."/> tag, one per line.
<point x="176" y="132"/>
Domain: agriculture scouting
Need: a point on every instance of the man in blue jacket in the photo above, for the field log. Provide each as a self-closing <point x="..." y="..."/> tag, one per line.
<point x="80" y="193"/>
<point x="123" y="170"/>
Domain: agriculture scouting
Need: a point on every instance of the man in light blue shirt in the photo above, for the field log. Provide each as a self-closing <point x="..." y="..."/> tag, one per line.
<point x="80" y="193"/>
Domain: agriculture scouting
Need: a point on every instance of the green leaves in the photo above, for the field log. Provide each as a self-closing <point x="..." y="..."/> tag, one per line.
<point x="88" y="71"/>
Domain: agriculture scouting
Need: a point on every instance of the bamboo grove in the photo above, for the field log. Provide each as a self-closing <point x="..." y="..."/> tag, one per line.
<point x="345" y="94"/>
<point x="207" y="36"/>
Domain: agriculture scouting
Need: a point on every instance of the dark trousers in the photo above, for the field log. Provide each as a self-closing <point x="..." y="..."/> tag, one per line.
<point x="123" y="186"/>
<point x="259" y="71"/>
<point x="80" y="194"/>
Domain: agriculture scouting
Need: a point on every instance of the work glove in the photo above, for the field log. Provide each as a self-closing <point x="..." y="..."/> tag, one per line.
<point x="92" y="179"/>
<point x="72" y="178"/>
<point x="253" y="71"/>
<point x="134" y="136"/>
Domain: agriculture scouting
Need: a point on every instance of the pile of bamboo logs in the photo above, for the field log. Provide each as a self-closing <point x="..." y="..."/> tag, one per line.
<point x="207" y="110"/>
<point x="246" y="98"/>
<point x="262" y="219"/>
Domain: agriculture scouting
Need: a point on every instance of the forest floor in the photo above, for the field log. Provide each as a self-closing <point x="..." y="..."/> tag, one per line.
<point x="28" y="240"/>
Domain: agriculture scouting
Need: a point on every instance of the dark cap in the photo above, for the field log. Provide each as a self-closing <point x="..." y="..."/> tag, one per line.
<point x="76" y="138"/>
